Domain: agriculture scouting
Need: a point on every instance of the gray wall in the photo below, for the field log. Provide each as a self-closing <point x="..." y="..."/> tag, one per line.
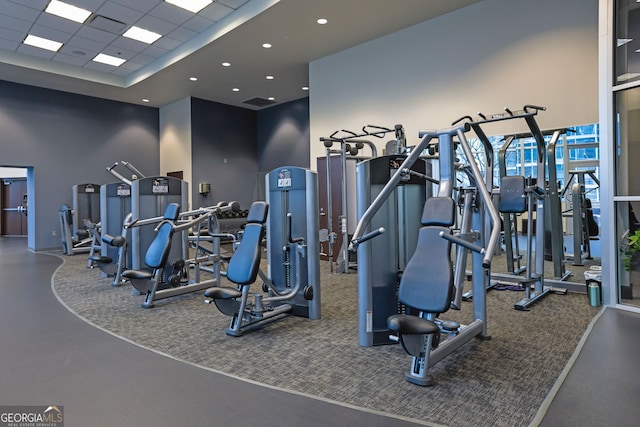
<point x="224" y="153"/>
<point x="70" y="139"/>
<point x="486" y="56"/>
<point x="283" y="135"/>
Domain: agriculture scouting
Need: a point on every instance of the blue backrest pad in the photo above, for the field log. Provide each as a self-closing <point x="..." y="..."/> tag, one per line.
<point x="258" y="212"/>
<point x="439" y="211"/>
<point x="245" y="262"/>
<point x="427" y="281"/>
<point x="159" y="248"/>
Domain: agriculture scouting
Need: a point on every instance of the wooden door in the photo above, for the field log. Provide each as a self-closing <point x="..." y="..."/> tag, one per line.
<point x="14" y="207"/>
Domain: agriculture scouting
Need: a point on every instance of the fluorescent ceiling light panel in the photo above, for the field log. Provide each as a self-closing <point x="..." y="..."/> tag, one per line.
<point x="142" y="35"/>
<point x="42" y="43"/>
<point x="194" y="6"/>
<point x="67" y="11"/>
<point x="109" y="60"/>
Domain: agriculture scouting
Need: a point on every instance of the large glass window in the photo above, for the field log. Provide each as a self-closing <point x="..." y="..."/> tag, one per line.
<point x="627" y="58"/>
<point x="627" y="142"/>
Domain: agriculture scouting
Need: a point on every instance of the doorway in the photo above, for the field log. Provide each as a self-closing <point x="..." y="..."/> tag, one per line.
<point x="13" y="202"/>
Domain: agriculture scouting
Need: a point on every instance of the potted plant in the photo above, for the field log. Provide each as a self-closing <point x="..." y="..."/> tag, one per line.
<point x="629" y="246"/>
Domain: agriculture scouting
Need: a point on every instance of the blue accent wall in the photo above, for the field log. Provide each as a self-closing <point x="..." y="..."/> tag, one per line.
<point x="70" y="139"/>
<point x="283" y="135"/>
<point x="223" y="150"/>
<point x="66" y="139"/>
<point x="233" y="148"/>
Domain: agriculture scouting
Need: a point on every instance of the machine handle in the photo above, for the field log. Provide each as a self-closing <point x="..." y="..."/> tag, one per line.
<point x="353" y="245"/>
<point x="290" y="237"/>
<point x="459" y="241"/>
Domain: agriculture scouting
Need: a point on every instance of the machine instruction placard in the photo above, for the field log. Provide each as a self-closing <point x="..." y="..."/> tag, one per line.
<point x="284" y="178"/>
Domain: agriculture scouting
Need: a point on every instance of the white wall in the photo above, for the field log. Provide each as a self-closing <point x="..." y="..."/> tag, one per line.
<point x="175" y="140"/>
<point x="484" y="57"/>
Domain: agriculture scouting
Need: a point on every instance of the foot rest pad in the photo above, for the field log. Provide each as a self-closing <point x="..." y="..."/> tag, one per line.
<point x="411" y="325"/>
<point x="137" y="274"/>
<point x="101" y="259"/>
<point x="222" y="293"/>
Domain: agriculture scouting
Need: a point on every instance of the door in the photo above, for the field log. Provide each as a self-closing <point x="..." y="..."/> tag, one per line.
<point x="14" y="207"/>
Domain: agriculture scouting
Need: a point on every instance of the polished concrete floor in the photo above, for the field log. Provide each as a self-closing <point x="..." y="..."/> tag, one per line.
<point x="51" y="357"/>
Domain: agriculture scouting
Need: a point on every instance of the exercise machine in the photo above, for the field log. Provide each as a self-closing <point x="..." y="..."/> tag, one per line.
<point x="383" y="258"/>
<point x="337" y="186"/>
<point x="109" y="252"/>
<point x="583" y="224"/>
<point x="163" y="278"/>
<point x="416" y="327"/>
<point x="292" y="282"/>
<point x="105" y="263"/>
<point x="75" y="238"/>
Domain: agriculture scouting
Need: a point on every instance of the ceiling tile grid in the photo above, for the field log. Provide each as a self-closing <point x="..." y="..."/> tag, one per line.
<point x="102" y="31"/>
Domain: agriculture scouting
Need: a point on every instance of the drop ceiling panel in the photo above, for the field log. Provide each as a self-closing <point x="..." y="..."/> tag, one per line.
<point x="12" y="32"/>
<point x="119" y="13"/>
<point x="140" y="5"/>
<point x="198" y="23"/>
<point x="91" y="5"/>
<point x="156" y="25"/>
<point x="84" y="44"/>
<point x="70" y="59"/>
<point x="8" y="44"/>
<point x="142" y="58"/>
<point x="234" y="4"/>
<point x="129" y="44"/>
<point x="98" y="66"/>
<point x="167" y="43"/>
<point x="170" y="13"/>
<point x="96" y="35"/>
<point x="15" y="24"/>
<point x="60" y="24"/>
<point x="34" y="51"/>
<point x="19" y="10"/>
<point x="216" y="11"/>
<point x="128" y="67"/>
<point x="182" y="34"/>
<point x="155" y="51"/>
<point x="50" y="33"/>
<point x="119" y="53"/>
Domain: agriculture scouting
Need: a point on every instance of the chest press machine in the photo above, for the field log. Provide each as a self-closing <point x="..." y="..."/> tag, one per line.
<point x="420" y="332"/>
<point x="163" y="279"/>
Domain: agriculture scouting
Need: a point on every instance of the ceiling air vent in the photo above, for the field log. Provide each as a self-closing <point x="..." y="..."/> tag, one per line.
<point x="107" y="24"/>
<point x="258" y="102"/>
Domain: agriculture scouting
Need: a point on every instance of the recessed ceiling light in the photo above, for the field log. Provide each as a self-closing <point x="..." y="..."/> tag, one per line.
<point x="322" y="21"/>
<point x="145" y="100"/>
<point x="109" y="60"/>
<point x="269" y="77"/>
<point x="305" y="87"/>
<point x="42" y="43"/>
<point x="193" y="79"/>
<point x="194" y="6"/>
<point x="271" y="98"/>
<point x="235" y="89"/>
<point x="142" y="35"/>
<point x="67" y="11"/>
<point x="266" y="45"/>
<point x="226" y="64"/>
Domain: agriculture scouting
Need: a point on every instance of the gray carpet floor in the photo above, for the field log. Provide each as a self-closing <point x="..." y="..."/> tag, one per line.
<point x="499" y="382"/>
